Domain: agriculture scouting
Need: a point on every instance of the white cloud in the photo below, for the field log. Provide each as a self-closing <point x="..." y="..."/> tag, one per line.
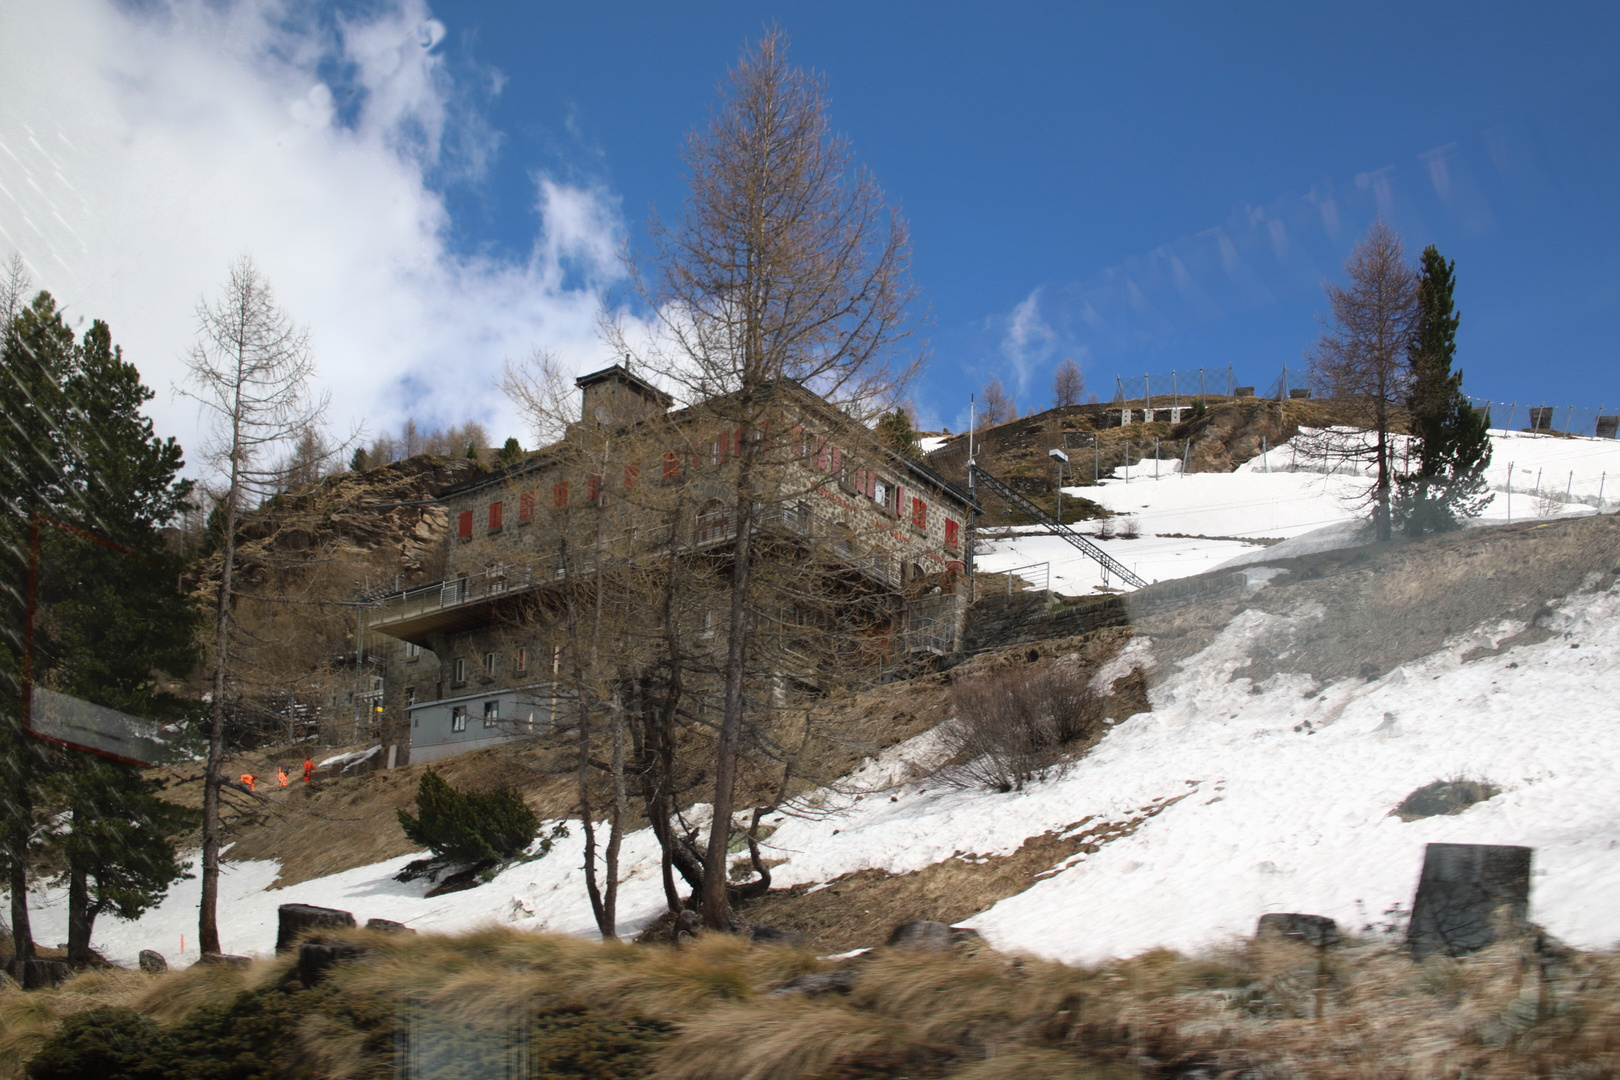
<point x="141" y="151"/>
<point x="1029" y="340"/>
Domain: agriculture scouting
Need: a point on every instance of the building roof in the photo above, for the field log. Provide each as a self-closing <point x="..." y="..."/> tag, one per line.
<point x="623" y="374"/>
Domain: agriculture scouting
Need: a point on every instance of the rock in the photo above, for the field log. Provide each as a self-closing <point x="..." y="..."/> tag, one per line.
<point x="152" y="962"/>
<point x="38" y="974"/>
<point x="687" y="928"/>
<point x="460" y="881"/>
<point x="825" y="982"/>
<point x="315" y="957"/>
<point x="388" y="926"/>
<point x="298" y="919"/>
<point x="1467" y="895"/>
<point x="923" y="935"/>
<point x="770" y="935"/>
<point x="1318" y="931"/>
<point x="223" y="958"/>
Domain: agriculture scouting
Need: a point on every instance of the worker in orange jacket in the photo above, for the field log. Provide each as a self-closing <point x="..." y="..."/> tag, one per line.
<point x="309" y="769"/>
<point x="247" y="780"/>
<point x="281" y="776"/>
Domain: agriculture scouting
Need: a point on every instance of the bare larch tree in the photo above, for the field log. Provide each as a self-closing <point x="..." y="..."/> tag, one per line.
<point x="249" y="372"/>
<point x="1361" y="358"/>
<point x="787" y="263"/>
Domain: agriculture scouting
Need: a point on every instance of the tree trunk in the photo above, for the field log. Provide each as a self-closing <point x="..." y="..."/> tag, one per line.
<point x="81" y="918"/>
<point x="208" y="908"/>
<point x="716" y="914"/>
<point x="22" y="934"/>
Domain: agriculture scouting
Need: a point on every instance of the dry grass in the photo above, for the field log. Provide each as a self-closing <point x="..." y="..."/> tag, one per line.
<point x="1262" y="1009"/>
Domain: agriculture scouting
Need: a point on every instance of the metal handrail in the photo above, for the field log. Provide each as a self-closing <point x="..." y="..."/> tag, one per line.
<point x="708" y="531"/>
<point x="1109" y="564"/>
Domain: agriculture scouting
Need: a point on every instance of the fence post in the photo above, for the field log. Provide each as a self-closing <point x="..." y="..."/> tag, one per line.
<point x="1601" y="479"/>
<point x="1510" y="491"/>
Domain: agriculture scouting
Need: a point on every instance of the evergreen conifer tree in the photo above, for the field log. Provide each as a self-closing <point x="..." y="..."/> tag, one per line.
<point x="1445" y="483"/>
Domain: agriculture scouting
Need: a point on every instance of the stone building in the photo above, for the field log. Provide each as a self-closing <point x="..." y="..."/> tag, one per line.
<point x="878" y="541"/>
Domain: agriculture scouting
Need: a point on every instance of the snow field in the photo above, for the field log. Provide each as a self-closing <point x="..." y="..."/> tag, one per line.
<point x="1287" y="494"/>
<point x="1283" y="790"/>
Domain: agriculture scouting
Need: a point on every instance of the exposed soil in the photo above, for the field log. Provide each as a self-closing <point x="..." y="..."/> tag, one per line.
<point x="858" y="910"/>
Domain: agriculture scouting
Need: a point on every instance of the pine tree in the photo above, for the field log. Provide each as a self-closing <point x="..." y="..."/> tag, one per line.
<point x="1450" y="445"/>
<point x="895" y="429"/>
<point x="469" y="827"/>
<point x="511" y="453"/>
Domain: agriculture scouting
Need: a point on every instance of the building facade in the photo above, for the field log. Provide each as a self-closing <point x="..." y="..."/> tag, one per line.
<point x="862" y="550"/>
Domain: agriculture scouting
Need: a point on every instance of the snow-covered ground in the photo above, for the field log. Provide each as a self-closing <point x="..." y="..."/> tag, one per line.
<point x="1283" y="801"/>
<point x="1193" y="523"/>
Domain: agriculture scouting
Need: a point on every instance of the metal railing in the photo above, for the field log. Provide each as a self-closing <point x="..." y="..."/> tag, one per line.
<point x="709" y="530"/>
<point x="1109" y="564"/>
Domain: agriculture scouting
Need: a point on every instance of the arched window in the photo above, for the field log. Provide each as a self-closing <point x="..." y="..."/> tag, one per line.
<point x="713" y="523"/>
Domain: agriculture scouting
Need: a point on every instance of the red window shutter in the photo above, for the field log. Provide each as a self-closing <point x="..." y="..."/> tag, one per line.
<point x="494" y="515"/>
<point x="526" y="506"/>
<point x="672" y="465"/>
<point x="871" y="483"/>
<point x="899" y="499"/>
<point x="593" y="488"/>
<point x="821" y="457"/>
<point x="632" y="473"/>
<point x="737" y="441"/>
<point x="952" y="538"/>
<point x="559" y="494"/>
<point x="919" y="513"/>
<point x="523" y="658"/>
<point x="798" y="441"/>
<point x="837" y="459"/>
<point x="464" y="525"/>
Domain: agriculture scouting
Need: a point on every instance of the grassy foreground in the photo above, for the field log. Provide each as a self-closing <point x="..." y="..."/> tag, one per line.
<point x="500" y="1003"/>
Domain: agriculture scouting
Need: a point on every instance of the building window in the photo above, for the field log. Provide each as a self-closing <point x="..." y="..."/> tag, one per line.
<point x="712" y="523"/>
<point x="413" y="651"/>
<point x="492" y="713"/>
<point x="525" y="507"/>
<point x="523" y="658"/>
<point x="953" y="539"/>
<point x="489" y="663"/>
<point x="559" y="494"/>
<point x="495" y="516"/>
<point x="458" y="718"/>
<point x="464" y="526"/>
<point x="410" y="696"/>
<point x="460" y="671"/>
<point x="919" y="514"/>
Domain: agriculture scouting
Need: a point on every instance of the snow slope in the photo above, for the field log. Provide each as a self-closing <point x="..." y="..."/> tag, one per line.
<point x="1271" y="815"/>
<point x="1282" y="792"/>
<point x="1198" y="522"/>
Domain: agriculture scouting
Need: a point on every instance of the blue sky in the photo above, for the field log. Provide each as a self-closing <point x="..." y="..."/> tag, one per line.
<point x="1142" y="187"/>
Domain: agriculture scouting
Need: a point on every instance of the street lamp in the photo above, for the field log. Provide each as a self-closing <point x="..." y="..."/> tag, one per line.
<point x="1062" y="459"/>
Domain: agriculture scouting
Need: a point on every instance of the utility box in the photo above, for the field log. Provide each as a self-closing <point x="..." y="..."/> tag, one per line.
<point x="1541" y="418"/>
<point x="1608" y="427"/>
<point x="1300" y="393"/>
<point x="1243" y="391"/>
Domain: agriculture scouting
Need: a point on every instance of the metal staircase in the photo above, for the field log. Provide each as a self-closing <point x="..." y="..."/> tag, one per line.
<point x="1109" y="564"/>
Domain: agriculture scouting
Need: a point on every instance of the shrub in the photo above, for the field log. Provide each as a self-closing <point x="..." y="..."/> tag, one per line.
<point x="1014" y="725"/>
<point x="1129" y="529"/>
<point x="468" y="827"/>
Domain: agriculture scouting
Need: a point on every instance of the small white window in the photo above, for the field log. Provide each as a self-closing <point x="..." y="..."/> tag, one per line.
<point x="523" y="658"/>
<point x="412" y="650"/>
<point x="489" y="663"/>
<point x="458" y="718"/>
<point x="461" y="670"/>
<point x="410" y="696"/>
<point x="492" y="713"/>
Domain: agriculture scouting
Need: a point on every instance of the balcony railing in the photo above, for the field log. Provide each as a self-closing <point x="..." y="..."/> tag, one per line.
<point x="709" y="530"/>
